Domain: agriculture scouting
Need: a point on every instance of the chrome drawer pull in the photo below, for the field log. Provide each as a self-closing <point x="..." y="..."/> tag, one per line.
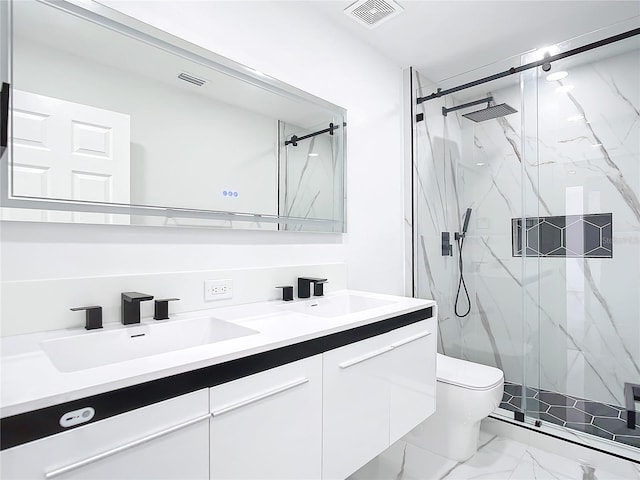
<point x="126" y="446"/>
<point x="399" y="343"/>
<point x="262" y="396"/>
<point x="355" y="361"/>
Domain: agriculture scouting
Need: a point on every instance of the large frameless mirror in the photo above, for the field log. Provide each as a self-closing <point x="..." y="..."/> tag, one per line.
<point x="113" y="121"/>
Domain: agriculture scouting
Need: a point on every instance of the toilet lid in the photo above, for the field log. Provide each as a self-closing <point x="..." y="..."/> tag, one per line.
<point x="467" y="374"/>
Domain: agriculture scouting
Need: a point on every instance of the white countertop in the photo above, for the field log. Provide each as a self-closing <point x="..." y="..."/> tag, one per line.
<point x="29" y="380"/>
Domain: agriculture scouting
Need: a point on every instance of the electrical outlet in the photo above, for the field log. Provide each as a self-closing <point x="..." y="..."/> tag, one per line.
<point x="217" y="289"/>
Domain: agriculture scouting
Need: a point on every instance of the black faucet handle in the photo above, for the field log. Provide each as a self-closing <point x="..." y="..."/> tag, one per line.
<point x="287" y="292"/>
<point x="136" y="297"/>
<point x="318" y="287"/>
<point x="161" y="308"/>
<point x="93" y="318"/>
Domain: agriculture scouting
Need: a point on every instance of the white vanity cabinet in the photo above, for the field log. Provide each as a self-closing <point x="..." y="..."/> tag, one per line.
<point x="268" y="426"/>
<point x="375" y="391"/>
<point x="412" y="384"/>
<point x="317" y="409"/>
<point x="166" y="440"/>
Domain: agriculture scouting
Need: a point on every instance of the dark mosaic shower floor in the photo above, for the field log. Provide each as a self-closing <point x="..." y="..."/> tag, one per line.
<point x="601" y="419"/>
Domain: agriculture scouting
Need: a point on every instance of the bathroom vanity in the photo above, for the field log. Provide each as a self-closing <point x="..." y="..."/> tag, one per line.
<point x="305" y="389"/>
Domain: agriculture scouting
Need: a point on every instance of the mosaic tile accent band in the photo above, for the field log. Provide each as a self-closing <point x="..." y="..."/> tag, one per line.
<point x="595" y="418"/>
<point x="575" y="236"/>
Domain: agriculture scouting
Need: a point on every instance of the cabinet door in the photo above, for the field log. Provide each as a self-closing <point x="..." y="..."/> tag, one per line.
<point x="355" y="405"/>
<point x="413" y="379"/>
<point x="167" y="440"/>
<point x="269" y="425"/>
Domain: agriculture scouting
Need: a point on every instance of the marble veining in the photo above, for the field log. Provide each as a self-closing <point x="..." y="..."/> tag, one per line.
<point x="497" y="458"/>
<point x="615" y="176"/>
<point x="514" y="141"/>
<point x="603" y="302"/>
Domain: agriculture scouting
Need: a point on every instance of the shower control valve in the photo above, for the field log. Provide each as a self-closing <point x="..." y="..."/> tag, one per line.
<point x="447" y="248"/>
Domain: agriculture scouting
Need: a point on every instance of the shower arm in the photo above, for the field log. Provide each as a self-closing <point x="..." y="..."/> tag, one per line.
<point x="487" y="100"/>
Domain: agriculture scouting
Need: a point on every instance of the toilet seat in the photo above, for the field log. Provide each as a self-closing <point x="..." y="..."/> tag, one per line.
<point x="469" y="375"/>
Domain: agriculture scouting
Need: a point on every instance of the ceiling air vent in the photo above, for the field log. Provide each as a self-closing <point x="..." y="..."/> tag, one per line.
<point x="372" y="13"/>
<point x="191" y="79"/>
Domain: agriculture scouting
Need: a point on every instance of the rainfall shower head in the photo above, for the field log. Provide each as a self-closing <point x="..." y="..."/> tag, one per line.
<point x="490" y="113"/>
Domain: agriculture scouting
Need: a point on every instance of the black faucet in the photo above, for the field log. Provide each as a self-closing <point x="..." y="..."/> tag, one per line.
<point x="131" y="306"/>
<point x="304" y="286"/>
<point x="93" y="317"/>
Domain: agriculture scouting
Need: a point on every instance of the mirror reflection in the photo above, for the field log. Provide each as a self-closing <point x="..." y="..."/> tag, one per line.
<point x="101" y="117"/>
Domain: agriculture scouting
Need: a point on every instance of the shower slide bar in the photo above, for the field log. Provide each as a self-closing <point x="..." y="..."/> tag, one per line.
<point x="545" y="63"/>
<point x="295" y="139"/>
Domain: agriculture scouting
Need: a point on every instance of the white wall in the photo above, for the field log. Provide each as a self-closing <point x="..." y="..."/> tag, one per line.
<point x="287" y="41"/>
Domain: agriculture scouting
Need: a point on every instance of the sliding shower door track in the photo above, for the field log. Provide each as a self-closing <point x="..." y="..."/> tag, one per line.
<point x="555" y="431"/>
<point x="539" y="63"/>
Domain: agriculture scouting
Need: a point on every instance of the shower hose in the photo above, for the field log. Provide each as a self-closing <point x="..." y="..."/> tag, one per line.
<point x="461" y="283"/>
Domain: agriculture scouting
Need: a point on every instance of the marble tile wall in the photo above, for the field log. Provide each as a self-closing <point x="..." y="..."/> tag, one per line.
<point x="436" y="210"/>
<point x="572" y="324"/>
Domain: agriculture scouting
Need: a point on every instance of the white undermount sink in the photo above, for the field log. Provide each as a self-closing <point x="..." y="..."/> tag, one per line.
<point x="104" y="347"/>
<point x="336" y="306"/>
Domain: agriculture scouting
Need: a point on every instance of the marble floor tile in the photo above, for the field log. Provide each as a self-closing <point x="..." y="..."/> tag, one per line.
<point x="492" y="461"/>
<point x="498" y="458"/>
<point x="403" y="461"/>
<point x="529" y="470"/>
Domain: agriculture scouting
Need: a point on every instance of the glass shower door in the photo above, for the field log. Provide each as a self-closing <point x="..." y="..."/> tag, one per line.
<point x="583" y="132"/>
<point x="462" y="164"/>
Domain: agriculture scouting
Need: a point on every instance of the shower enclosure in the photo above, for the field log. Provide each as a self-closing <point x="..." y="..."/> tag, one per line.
<point x="551" y="255"/>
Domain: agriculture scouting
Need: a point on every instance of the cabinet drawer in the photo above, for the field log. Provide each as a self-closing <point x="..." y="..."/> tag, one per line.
<point x="166" y="440"/>
<point x="268" y="425"/>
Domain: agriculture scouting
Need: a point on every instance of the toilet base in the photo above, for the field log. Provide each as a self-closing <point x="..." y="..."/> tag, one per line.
<point x="437" y="434"/>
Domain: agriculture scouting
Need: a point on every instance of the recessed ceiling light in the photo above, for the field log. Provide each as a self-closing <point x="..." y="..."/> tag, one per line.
<point x="314" y="154"/>
<point x="564" y="88"/>
<point x="575" y="118"/>
<point x="480" y="164"/>
<point x="596" y="145"/>
<point x="556" y="76"/>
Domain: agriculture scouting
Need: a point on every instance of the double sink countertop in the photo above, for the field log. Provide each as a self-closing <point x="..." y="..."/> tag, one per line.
<point x="48" y="368"/>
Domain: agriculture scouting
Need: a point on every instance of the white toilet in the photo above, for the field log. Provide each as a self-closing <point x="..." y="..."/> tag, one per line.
<point x="467" y="392"/>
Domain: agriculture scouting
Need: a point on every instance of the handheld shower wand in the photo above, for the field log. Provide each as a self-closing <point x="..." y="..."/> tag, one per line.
<point x="459" y="237"/>
<point x="465" y="225"/>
